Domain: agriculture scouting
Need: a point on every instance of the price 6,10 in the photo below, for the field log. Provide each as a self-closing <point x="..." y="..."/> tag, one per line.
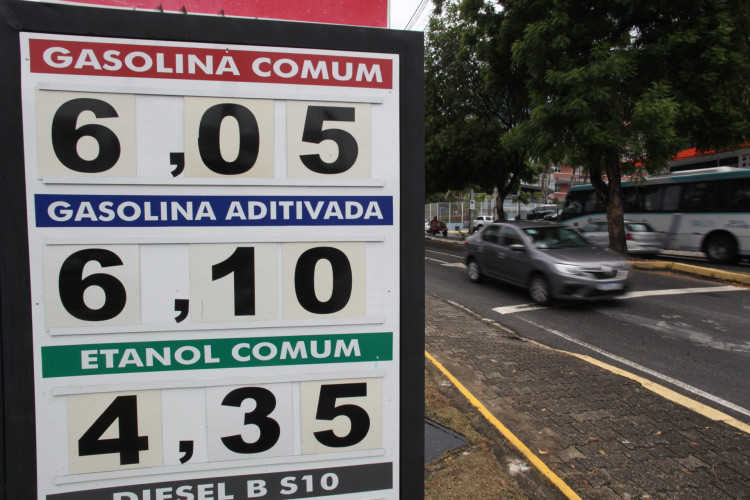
<point x="156" y="284"/>
<point x="123" y="135"/>
<point x="112" y="431"/>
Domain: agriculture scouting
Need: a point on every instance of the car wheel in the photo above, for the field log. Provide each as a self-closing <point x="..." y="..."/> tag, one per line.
<point x="721" y="249"/>
<point x="539" y="290"/>
<point x="473" y="271"/>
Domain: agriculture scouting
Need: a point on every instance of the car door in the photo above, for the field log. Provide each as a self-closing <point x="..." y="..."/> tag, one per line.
<point x="487" y="250"/>
<point x="514" y="263"/>
<point x="642" y="237"/>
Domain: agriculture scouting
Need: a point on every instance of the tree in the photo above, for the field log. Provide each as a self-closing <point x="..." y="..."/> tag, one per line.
<point x="469" y="112"/>
<point x="621" y="86"/>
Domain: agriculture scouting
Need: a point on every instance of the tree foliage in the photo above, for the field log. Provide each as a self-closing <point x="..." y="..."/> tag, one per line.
<point x="620" y="85"/>
<point x="469" y="111"/>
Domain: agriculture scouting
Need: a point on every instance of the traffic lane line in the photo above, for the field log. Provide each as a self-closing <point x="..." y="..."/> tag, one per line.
<point x="669" y="394"/>
<point x="522" y="448"/>
<point x="446" y="263"/>
<point x="460" y="257"/>
<point x="630" y="295"/>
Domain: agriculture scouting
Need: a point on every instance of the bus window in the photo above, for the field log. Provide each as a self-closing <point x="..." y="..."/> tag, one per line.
<point x="632" y="197"/>
<point x="593" y="203"/>
<point x="739" y="196"/>
<point x="671" y="199"/>
<point x="573" y="203"/>
<point x="703" y="197"/>
<point x="653" y="200"/>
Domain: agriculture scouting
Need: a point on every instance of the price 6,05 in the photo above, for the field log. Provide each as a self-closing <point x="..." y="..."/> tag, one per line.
<point x="115" y="431"/>
<point x="123" y="135"/>
<point x="156" y="284"/>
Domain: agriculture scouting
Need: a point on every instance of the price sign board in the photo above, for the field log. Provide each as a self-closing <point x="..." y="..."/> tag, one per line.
<point x="216" y="298"/>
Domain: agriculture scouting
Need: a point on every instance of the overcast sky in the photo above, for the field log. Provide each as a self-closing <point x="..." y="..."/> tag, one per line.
<point x="402" y="10"/>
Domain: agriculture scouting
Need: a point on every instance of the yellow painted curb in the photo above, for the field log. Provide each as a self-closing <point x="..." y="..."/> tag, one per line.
<point x="536" y="461"/>
<point x="697" y="270"/>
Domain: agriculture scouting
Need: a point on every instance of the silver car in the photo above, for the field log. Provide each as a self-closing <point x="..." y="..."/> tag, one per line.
<point x="552" y="261"/>
<point x="640" y="238"/>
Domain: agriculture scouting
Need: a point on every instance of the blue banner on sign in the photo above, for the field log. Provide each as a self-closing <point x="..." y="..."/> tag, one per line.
<point x="64" y="210"/>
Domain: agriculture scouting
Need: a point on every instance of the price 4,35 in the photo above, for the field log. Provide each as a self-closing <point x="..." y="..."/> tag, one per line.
<point x="126" y="430"/>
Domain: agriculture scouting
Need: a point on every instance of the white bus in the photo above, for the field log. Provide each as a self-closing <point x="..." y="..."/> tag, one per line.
<point x="706" y="210"/>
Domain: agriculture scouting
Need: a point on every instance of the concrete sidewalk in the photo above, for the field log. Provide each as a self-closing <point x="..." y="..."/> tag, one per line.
<point x="602" y="434"/>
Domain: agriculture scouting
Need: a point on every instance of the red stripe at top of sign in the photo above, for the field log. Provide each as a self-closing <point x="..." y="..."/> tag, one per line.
<point x="353" y="12"/>
<point x="232" y="64"/>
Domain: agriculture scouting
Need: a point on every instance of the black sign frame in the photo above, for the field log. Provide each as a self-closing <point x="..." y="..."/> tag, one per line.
<point x="17" y="413"/>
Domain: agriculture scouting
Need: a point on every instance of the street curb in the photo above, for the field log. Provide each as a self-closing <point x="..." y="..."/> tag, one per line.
<point x="556" y="480"/>
<point x="444" y="240"/>
<point x="690" y="269"/>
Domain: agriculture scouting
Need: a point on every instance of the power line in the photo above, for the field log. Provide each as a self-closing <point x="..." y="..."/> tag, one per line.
<point x="417" y="14"/>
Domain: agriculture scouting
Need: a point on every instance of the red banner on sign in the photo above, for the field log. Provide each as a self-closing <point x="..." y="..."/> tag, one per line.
<point x="198" y="63"/>
<point x="352" y="12"/>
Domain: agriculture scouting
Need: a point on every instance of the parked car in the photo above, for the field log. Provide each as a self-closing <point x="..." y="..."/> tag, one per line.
<point x="481" y="221"/>
<point x="426" y="225"/>
<point x="640" y="237"/>
<point x="540" y="211"/>
<point x="553" y="215"/>
<point x="552" y="261"/>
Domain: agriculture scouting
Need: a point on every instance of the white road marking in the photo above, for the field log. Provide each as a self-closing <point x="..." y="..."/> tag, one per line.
<point x="443" y="253"/>
<point x="460" y="265"/>
<point x="447" y="264"/>
<point x="435" y="260"/>
<point x="630" y="295"/>
<point x="643" y="369"/>
<point x="517" y="309"/>
<point x="680" y="291"/>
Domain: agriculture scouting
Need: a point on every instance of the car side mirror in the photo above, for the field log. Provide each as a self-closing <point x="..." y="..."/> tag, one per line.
<point x="518" y="247"/>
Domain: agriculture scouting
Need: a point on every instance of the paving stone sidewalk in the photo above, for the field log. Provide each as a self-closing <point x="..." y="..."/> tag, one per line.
<point x="606" y="436"/>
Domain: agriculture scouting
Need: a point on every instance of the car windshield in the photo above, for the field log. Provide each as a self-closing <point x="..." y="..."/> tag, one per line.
<point x="556" y="237"/>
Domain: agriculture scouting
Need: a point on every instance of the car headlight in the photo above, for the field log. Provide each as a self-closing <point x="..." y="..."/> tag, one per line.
<point x="570" y="269"/>
<point x="622" y="270"/>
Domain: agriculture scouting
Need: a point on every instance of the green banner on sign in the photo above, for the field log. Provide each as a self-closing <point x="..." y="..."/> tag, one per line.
<point x="137" y="357"/>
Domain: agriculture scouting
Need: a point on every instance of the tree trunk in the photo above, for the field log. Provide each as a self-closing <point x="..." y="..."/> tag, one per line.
<point x="615" y="217"/>
<point x="499" y="201"/>
<point x="611" y="194"/>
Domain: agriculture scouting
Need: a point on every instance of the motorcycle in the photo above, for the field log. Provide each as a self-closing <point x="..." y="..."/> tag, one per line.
<point x="437" y="226"/>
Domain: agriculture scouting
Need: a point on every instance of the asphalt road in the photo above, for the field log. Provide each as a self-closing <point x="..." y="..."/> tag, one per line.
<point x="689" y="334"/>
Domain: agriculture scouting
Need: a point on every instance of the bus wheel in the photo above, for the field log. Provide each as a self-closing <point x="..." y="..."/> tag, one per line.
<point x="721" y="249"/>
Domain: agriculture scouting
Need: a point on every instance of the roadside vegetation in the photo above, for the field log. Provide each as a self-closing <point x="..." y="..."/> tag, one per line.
<point x="617" y="88"/>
